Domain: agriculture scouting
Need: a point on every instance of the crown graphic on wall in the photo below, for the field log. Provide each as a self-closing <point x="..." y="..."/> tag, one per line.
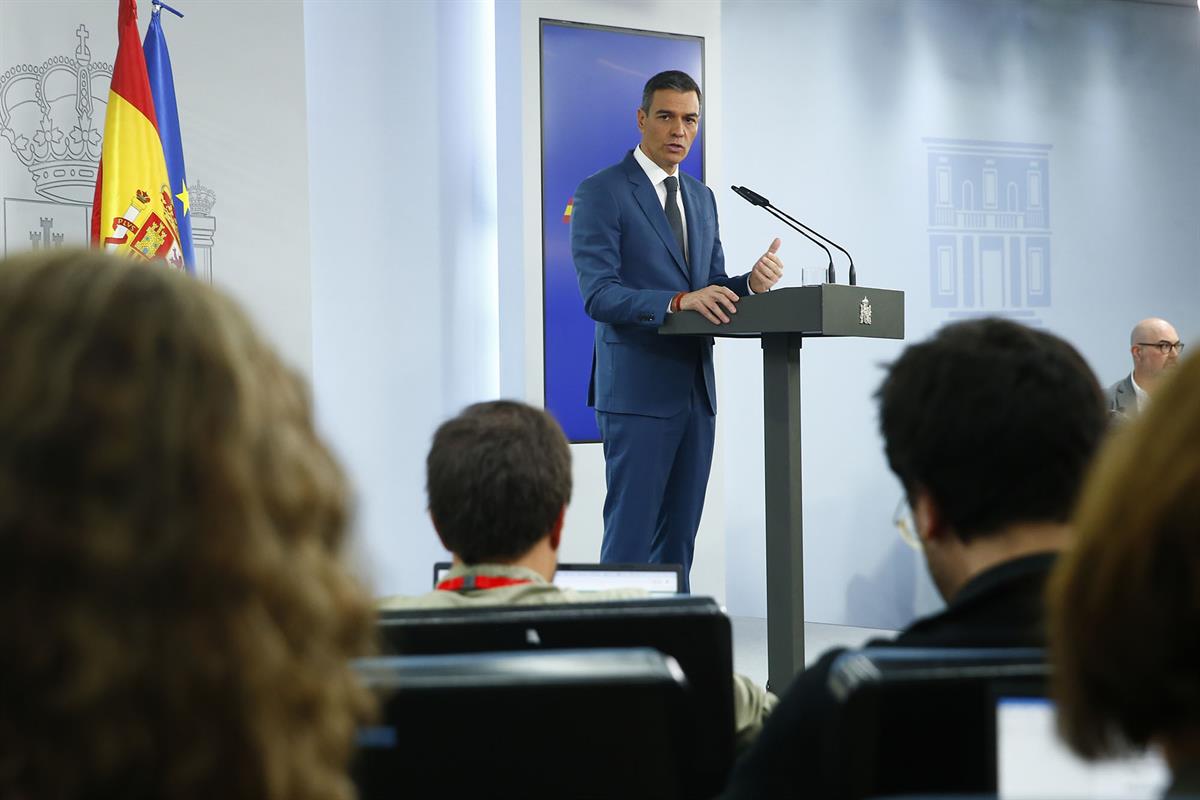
<point x="49" y="116"/>
<point x="202" y="199"/>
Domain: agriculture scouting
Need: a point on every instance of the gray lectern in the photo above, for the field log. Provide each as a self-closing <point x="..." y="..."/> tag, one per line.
<point x="782" y="319"/>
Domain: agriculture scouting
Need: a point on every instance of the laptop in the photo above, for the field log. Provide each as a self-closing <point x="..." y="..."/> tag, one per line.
<point x="1033" y="763"/>
<point x="660" y="580"/>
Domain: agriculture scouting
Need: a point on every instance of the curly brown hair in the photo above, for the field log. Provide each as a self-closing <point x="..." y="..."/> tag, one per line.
<point x="177" y="620"/>
<point x="1124" y="603"/>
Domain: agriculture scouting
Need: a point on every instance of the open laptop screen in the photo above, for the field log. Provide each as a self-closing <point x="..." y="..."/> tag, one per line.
<point x="657" y="579"/>
<point x="1033" y="763"/>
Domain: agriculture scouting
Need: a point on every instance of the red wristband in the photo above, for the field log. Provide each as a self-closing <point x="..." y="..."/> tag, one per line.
<point x="675" y="301"/>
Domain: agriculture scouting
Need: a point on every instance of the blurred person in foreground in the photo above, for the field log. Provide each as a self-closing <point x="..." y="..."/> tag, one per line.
<point x="990" y="427"/>
<point x="499" y="480"/>
<point x="177" y="623"/>
<point x="1124" y="604"/>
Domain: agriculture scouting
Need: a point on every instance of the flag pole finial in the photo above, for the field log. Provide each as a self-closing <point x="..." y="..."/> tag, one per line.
<point x="159" y="4"/>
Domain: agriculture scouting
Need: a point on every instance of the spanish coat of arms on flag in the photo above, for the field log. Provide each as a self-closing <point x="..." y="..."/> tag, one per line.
<point x="133" y="213"/>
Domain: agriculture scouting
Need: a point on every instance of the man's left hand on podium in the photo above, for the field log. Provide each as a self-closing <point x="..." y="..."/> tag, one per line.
<point x="767" y="270"/>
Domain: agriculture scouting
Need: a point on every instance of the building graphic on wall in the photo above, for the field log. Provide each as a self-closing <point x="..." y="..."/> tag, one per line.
<point x="52" y="117"/>
<point x="989" y="228"/>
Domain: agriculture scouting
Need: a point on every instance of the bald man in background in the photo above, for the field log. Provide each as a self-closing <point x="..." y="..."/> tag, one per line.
<point x="1155" y="347"/>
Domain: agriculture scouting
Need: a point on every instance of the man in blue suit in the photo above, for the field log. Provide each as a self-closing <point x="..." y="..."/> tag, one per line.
<point x="645" y="242"/>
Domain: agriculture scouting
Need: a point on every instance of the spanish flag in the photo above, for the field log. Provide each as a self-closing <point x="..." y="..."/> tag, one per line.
<point x="133" y="213"/>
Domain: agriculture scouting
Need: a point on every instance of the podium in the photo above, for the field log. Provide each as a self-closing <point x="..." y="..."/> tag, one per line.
<point x="782" y="319"/>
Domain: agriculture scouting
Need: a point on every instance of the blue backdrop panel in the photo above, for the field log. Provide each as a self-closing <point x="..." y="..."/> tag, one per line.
<point x="592" y="81"/>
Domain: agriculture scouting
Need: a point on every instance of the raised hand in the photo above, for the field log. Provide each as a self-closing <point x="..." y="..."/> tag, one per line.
<point x="767" y="270"/>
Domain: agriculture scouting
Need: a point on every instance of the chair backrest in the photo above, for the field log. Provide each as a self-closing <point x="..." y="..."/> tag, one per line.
<point x="921" y="721"/>
<point x="600" y="723"/>
<point x="692" y="630"/>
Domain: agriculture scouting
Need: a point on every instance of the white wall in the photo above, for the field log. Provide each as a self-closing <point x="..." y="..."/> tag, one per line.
<point x="402" y="168"/>
<point x="241" y="110"/>
<point x="826" y="108"/>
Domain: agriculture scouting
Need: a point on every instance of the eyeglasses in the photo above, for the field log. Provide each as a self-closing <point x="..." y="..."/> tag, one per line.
<point x="1164" y="347"/>
<point x="902" y="518"/>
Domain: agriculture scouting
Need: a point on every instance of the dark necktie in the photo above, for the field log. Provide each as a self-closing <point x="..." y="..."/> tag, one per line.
<point x="674" y="219"/>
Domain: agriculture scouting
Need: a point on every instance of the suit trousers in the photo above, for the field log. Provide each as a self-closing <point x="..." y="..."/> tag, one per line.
<point x="656" y="470"/>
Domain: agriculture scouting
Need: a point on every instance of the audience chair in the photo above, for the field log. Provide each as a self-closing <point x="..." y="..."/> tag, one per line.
<point x="921" y="721"/>
<point x="599" y="723"/>
<point x="692" y="630"/>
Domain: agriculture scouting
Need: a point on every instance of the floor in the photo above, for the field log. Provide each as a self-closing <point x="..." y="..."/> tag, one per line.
<point x="750" y="643"/>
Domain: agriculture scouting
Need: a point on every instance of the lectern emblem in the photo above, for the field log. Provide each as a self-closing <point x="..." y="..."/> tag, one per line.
<point x="864" y="312"/>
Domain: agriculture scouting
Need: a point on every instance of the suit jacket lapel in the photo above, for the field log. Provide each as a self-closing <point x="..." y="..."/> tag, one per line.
<point x="1128" y="400"/>
<point x="647" y="198"/>
<point x="698" y="277"/>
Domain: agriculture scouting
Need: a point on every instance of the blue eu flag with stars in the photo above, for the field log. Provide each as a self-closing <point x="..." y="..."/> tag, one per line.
<point x="162" y="87"/>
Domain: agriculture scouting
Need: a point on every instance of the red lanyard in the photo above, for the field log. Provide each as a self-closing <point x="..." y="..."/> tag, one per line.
<point x="469" y="582"/>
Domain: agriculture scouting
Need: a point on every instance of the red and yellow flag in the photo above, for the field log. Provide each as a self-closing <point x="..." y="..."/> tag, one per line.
<point x="133" y="213"/>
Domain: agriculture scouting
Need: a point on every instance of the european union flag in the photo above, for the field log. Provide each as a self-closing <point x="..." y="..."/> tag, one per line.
<point x="162" y="87"/>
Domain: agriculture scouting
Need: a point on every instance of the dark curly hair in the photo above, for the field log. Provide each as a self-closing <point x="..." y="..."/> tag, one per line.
<point x="177" y="622"/>
<point x="996" y="420"/>
<point x="498" y="475"/>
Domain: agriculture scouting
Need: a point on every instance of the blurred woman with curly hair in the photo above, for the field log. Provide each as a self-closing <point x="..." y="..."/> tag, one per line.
<point x="1125" y="602"/>
<point x="177" y="623"/>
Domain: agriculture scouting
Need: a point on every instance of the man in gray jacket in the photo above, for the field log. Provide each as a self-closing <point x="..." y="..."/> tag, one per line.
<point x="1155" y="347"/>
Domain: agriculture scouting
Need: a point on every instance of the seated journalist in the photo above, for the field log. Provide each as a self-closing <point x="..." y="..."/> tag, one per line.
<point x="177" y="622"/>
<point x="499" y="480"/>
<point x="1124" y="603"/>
<point x="989" y="426"/>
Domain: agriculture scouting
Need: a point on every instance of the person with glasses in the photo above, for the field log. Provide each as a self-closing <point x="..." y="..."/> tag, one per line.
<point x="1155" y="348"/>
<point x="989" y="484"/>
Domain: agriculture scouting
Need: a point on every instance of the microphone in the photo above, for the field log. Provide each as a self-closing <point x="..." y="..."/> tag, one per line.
<point x="753" y="197"/>
<point x="757" y="199"/>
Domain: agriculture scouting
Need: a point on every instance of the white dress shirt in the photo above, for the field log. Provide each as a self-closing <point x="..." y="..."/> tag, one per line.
<point x="1140" y="394"/>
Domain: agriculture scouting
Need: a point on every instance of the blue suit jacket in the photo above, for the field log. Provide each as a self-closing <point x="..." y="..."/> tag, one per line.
<point x="629" y="268"/>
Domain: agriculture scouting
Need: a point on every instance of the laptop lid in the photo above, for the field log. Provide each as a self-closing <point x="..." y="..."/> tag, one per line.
<point x="1033" y="763"/>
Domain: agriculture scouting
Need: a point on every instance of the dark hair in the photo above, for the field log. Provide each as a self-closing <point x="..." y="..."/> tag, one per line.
<point x="1123" y="604"/>
<point x="997" y="421"/>
<point x="497" y="475"/>
<point x="672" y="79"/>
<point x="177" y="618"/>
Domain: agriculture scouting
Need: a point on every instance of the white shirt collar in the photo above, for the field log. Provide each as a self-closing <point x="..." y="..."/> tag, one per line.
<point x="653" y="171"/>
<point x="1142" y="397"/>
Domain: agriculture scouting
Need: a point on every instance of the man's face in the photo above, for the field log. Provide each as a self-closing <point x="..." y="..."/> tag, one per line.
<point x="1149" y="361"/>
<point x="670" y="128"/>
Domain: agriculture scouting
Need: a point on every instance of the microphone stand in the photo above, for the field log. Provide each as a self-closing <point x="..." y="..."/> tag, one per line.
<point x="753" y="199"/>
<point x="757" y="199"/>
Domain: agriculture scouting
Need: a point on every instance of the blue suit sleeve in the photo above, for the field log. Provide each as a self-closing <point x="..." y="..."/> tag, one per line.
<point x="596" y="249"/>
<point x="716" y="270"/>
